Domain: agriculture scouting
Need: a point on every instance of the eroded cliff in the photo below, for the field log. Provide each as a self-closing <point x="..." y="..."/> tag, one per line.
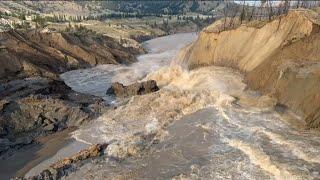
<point x="279" y="58"/>
<point x="48" y="54"/>
<point x="34" y="102"/>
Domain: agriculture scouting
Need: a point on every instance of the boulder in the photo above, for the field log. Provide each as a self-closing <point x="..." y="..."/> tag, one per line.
<point x="139" y="88"/>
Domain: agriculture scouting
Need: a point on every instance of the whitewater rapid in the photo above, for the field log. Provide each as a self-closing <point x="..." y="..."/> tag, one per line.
<point x="97" y="80"/>
<point x="208" y="125"/>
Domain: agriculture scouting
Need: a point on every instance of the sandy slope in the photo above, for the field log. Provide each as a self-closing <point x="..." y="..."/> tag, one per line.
<point x="280" y="58"/>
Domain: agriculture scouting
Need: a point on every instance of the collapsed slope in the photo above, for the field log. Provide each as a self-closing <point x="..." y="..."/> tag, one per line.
<point x="47" y="54"/>
<point x="281" y="58"/>
<point x="33" y="101"/>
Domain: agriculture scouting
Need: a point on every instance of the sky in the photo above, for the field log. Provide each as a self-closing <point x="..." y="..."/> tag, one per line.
<point x="257" y="3"/>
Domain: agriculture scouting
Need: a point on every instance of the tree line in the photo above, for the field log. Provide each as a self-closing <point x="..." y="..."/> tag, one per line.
<point x="243" y="11"/>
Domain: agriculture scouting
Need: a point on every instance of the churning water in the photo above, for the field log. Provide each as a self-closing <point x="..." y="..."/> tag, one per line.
<point x="208" y="125"/>
<point x="97" y="80"/>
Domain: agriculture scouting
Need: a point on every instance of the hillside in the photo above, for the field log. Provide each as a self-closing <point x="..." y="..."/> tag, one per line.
<point x="96" y="7"/>
<point x="131" y="21"/>
<point x="279" y="58"/>
<point x="48" y="54"/>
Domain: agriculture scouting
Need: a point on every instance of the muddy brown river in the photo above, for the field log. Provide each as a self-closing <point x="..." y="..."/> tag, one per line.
<point x="210" y="125"/>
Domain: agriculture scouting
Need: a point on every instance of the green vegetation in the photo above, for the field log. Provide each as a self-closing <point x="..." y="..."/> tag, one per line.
<point x="137" y="20"/>
<point x="40" y="21"/>
<point x="23" y="25"/>
<point x="78" y="30"/>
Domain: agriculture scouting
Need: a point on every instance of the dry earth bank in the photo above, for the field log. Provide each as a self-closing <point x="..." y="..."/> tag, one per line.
<point x="33" y="100"/>
<point x="280" y="58"/>
<point x="48" y="54"/>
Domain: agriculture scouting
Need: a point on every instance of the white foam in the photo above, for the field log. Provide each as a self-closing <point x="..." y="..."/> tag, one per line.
<point x="249" y="129"/>
<point x="97" y="80"/>
<point x="262" y="160"/>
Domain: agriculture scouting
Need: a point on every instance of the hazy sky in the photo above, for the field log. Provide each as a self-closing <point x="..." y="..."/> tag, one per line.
<point x="257" y="3"/>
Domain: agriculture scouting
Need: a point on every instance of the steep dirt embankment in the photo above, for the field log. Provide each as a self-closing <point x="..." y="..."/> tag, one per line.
<point x="48" y="54"/>
<point x="33" y="101"/>
<point x="281" y="58"/>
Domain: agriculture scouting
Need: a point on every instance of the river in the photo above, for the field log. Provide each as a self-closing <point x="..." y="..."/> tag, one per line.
<point x="202" y="124"/>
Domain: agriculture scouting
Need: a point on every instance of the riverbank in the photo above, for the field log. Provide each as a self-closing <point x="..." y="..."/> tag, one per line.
<point x="203" y="123"/>
<point x="246" y="127"/>
<point x="29" y="156"/>
<point x="280" y="58"/>
<point x="158" y="56"/>
<point x="36" y="107"/>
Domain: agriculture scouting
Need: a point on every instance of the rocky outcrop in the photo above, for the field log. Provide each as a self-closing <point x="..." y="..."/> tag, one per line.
<point x="33" y="52"/>
<point x="38" y="106"/>
<point x="142" y="37"/>
<point x="33" y="101"/>
<point x="280" y="58"/>
<point x="62" y="167"/>
<point x="139" y="88"/>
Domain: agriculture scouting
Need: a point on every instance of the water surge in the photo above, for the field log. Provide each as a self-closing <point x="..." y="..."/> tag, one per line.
<point x="201" y="124"/>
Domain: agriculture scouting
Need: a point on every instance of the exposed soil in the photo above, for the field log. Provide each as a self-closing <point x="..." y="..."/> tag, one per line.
<point x="39" y="106"/>
<point x="30" y="53"/>
<point x="34" y="102"/>
<point x="279" y="58"/>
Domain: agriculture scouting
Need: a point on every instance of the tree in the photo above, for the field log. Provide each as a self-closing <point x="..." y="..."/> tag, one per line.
<point x="298" y="3"/>
<point x="25" y="25"/>
<point x="22" y="16"/>
<point x="252" y="11"/>
<point x="242" y="14"/>
<point x="39" y="21"/>
<point x="233" y="16"/>
<point x="270" y="10"/>
<point x="225" y="15"/>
